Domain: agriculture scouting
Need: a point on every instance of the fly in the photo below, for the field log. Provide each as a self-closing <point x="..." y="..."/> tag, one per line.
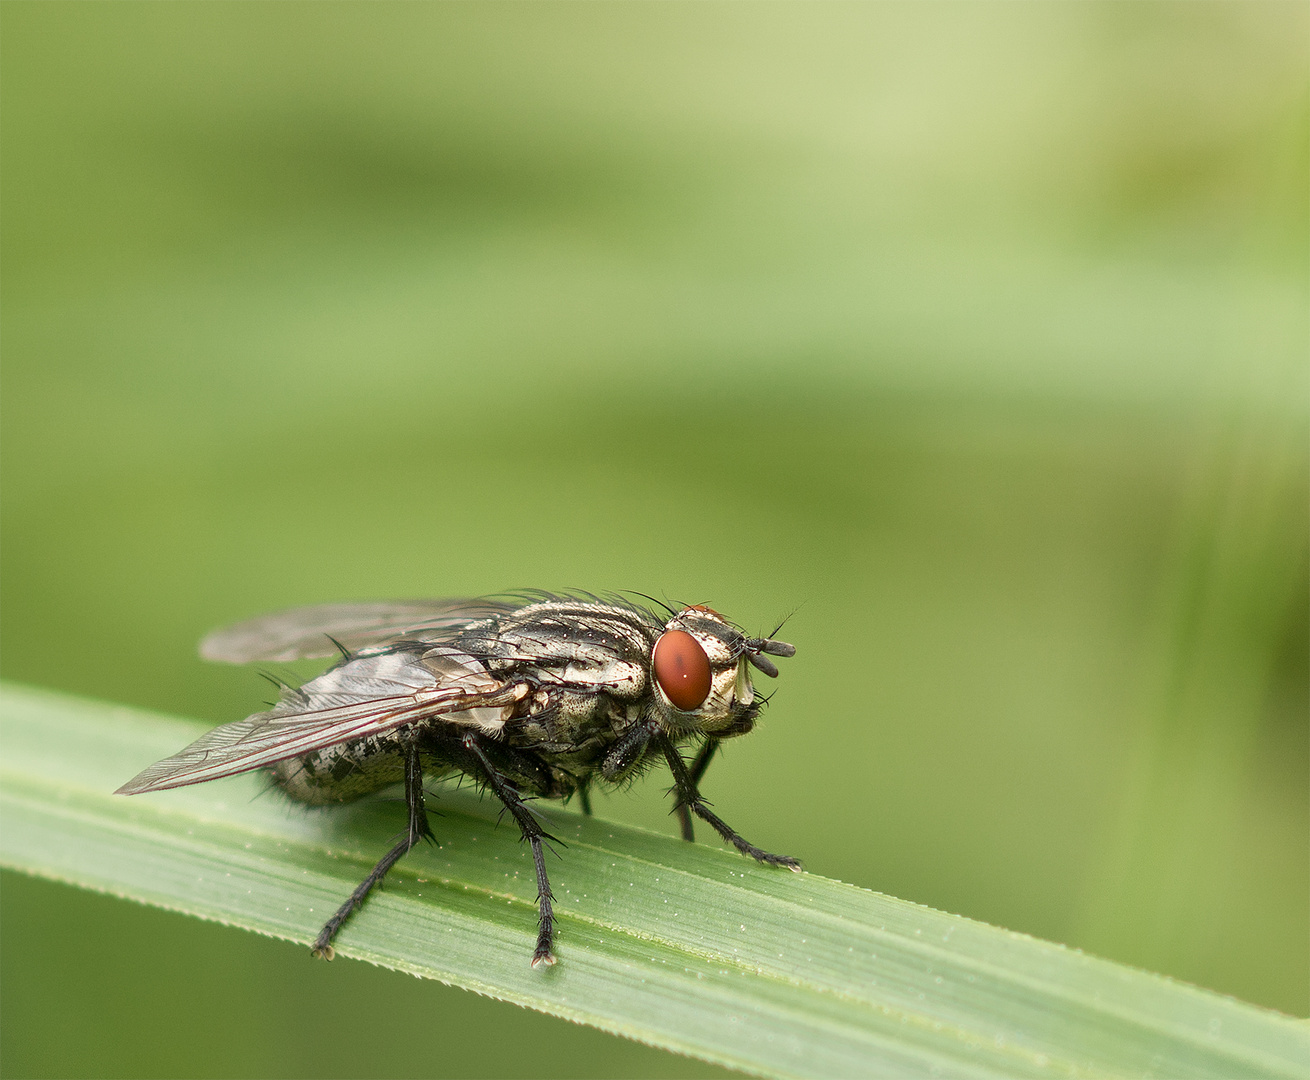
<point x="536" y="696"/>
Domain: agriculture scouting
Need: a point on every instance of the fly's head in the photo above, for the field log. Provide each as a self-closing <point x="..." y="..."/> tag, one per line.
<point x="701" y="665"/>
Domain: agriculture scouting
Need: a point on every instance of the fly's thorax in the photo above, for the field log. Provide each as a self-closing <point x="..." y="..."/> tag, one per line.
<point x="573" y="647"/>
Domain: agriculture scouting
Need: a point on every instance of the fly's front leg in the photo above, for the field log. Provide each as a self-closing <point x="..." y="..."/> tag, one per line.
<point x="689" y="797"/>
<point x="698" y="768"/>
<point x="625" y="753"/>
<point x="533" y="833"/>
<point x="416" y="831"/>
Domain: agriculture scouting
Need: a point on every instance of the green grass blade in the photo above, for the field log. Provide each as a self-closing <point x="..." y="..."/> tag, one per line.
<point x="689" y="948"/>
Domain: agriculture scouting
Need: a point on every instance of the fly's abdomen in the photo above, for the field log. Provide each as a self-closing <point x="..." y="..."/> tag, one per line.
<point x="340" y="774"/>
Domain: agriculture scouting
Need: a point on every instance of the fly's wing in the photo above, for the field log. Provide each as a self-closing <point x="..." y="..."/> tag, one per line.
<point x="368" y="696"/>
<point x="307" y="632"/>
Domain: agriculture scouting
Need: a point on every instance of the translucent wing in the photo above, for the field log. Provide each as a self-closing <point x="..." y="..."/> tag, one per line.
<point x="368" y="696"/>
<point x="305" y="632"/>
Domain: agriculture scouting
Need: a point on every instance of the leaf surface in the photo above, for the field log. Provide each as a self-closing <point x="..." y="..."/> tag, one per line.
<point x="685" y="947"/>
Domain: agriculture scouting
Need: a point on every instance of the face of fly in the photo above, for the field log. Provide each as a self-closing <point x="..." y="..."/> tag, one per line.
<point x="701" y="665"/>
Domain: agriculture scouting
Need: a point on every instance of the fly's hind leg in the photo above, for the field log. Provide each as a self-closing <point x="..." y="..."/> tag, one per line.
<point x="697" y="770"/>
<point x="533" y="833"/>
<point x="416" y="831"/>
<point x="690" y="797"/>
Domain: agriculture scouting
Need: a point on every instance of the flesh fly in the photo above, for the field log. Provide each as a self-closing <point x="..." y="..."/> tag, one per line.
<point x="537" y="696"/>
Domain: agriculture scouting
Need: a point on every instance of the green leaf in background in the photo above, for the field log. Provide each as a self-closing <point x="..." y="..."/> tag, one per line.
<point x="684" y="947"/>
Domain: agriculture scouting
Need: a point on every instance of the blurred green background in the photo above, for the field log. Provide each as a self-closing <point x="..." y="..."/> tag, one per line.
<point x="973" y="334"/>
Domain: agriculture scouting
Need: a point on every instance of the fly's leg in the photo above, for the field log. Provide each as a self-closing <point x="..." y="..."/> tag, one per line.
<point x="625" y="753"/>
<point x="533" y="833"/>
<point x="689" y="797"/>
<point x="698" y="768"/>
<point x="416" y="831"/>
<point x="584" y="797"/>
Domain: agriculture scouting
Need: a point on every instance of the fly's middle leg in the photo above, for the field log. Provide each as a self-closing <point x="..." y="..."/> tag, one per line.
<point x="417" y="830"/>
<point x="533" y="833"/>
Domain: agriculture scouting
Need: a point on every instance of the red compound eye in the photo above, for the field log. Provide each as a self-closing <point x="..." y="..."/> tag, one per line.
<point x="682" y="669"/>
